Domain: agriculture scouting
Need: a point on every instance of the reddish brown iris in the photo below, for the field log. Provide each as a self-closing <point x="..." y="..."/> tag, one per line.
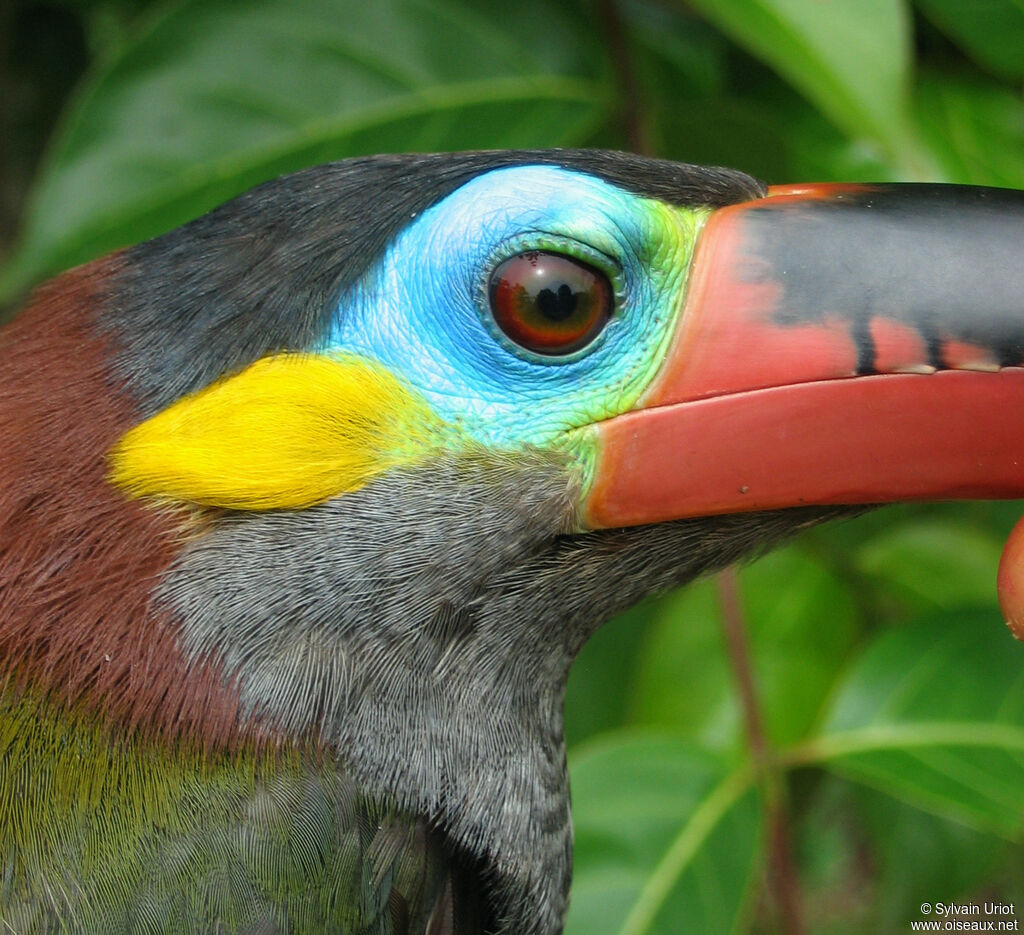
<point x="549" y="303"/>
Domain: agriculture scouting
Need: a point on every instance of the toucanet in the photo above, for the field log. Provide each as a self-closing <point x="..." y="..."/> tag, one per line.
<point x="307" y="507"/>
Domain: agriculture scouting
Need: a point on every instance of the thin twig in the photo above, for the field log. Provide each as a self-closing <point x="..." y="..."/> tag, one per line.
<point x="633" y="114"/>
<point x="782" y="878"/>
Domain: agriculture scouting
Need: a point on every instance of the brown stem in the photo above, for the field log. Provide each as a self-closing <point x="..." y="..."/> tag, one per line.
<point x="632" y="113"/>
<point x="782" y="878"/>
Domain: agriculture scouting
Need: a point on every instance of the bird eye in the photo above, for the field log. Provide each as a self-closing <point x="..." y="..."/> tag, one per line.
<point x="549" y="303"/>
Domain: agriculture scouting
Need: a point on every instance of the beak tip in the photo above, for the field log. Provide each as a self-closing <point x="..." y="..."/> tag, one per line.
<point x="1010" y="581"/>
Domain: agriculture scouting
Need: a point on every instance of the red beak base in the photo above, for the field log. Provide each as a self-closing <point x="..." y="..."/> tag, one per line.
<point x="837" y="345"/>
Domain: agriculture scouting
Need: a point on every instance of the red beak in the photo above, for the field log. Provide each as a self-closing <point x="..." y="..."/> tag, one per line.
<point x="839" y="344"/>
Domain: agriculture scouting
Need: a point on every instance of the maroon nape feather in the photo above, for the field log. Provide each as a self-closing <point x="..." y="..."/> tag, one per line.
<point x="79" y="562"/>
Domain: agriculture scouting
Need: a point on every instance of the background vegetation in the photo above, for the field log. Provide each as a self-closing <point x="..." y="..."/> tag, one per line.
<point x="819" y="743"/>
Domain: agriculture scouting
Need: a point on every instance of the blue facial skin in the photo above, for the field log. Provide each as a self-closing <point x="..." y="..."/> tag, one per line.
<point x="423" y="310"/>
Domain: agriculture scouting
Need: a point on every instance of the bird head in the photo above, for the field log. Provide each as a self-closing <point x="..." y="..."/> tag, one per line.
<point x="361" y="459"/>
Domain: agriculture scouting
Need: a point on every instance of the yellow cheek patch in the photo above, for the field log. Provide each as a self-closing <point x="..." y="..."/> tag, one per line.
<point x="291" y="431"/>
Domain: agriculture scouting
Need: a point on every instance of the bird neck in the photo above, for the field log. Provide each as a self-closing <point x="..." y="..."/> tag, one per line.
<point x="418" y="630"/>
<point x="367" y="628"/>
<point x="395" y="626"/>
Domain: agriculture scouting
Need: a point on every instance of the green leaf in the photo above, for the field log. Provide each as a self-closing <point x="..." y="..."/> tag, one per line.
<point x="666" y="839"/>
<point x="601" y="679"/>
<point x="933" y="564"/>
<point x="934" y="713"/>
<point x="691" y="50"/>
<point x="851" y="58"/>
<point x="867" y="860"/>
<point x="992" y="31"/>
<point x="220" y="95"/>
<point x="975" y="128"/>
<point x="726" y="132"/>
<point x="919" y="854"/>
<point x="801" y="624"/>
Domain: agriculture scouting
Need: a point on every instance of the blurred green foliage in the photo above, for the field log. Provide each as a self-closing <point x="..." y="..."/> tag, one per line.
<point x="891" y="696"/>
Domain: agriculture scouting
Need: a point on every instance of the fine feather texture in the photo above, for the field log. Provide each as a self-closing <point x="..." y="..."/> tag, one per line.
<point x="104" y="835"/>
<point x="426" y="624"/>
<point x="77" y="563"/>
<point x="288" y="432"/>
<point x="376" y="679"/>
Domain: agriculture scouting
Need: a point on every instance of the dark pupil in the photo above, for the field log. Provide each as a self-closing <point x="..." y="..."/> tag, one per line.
<point x="557" y="305"/>
<point x="550" y="303"/>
